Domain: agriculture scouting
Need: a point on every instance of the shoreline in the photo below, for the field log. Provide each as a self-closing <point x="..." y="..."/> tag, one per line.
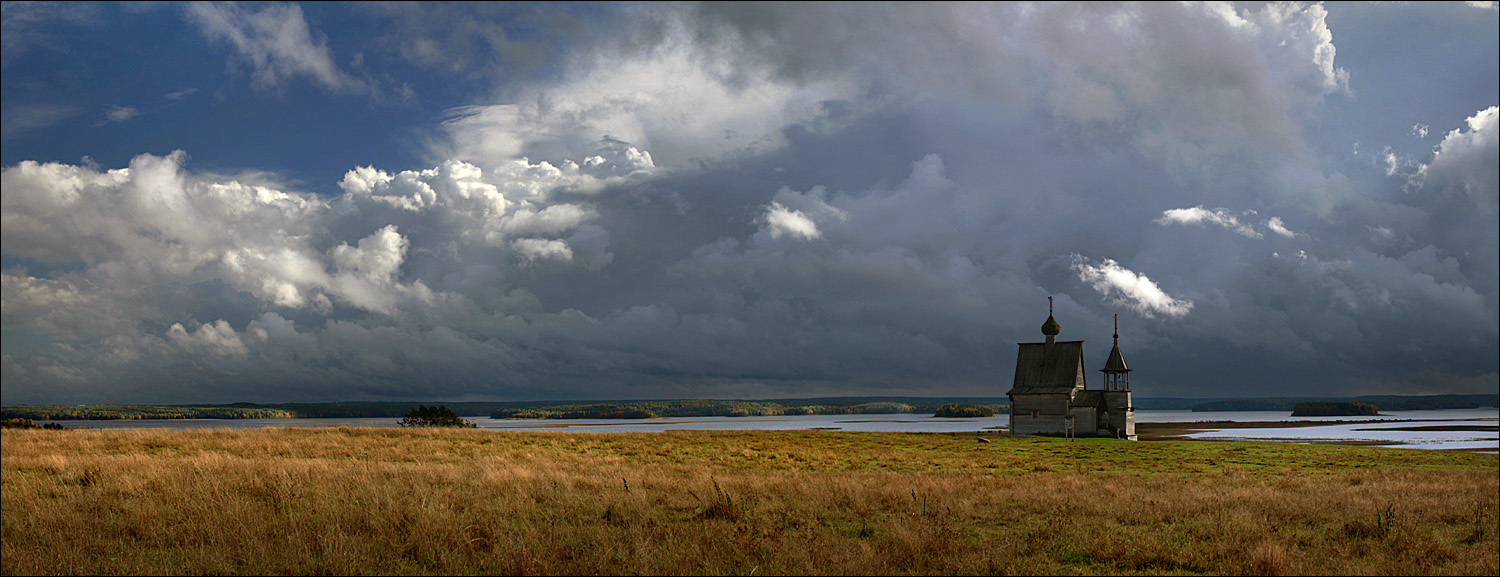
<point x="1178" y="431"/>
<point x="1146" y="430"/>
<point x="1170" y="428"/>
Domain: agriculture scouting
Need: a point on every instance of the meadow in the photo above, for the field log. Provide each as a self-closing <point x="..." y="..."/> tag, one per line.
<point x="407" y="501"/>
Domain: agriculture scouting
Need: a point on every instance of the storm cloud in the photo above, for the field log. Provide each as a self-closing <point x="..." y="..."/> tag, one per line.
<point x="741" y="201"/>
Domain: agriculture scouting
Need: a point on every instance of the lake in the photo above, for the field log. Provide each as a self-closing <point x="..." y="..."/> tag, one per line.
<point x="1389" y="432"/>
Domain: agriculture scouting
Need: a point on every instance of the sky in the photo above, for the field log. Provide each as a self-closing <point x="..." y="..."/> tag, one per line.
<point x="221" y="202"/>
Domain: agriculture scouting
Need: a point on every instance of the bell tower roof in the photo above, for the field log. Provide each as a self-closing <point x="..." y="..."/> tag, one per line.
<point x="1116" y="361"/>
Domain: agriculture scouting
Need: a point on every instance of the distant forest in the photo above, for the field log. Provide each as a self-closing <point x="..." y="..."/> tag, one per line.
<point x="707" y="408"/>
<point x="509" y="410"/>
<point x="683" y="408"/>
<point x="1382" y="402"/>
<point x="129" y="412"/>
<point x="1349" y="409"/>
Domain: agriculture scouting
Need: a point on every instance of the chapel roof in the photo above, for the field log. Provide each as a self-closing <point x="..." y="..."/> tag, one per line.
<point x="1089" y="398"/>
<point x="1047" y="368"/>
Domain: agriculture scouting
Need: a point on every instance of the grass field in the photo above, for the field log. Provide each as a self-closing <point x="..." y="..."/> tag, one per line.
<point x="399" y="501"/>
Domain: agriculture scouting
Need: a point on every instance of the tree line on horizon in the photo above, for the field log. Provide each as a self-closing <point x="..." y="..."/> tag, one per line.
<point x="378" y="409"/>
<point x="1382" y="402"/>
<point x="1349" y="409"/>
<point x="138" y="412"/>
<point x="709" y="408"/>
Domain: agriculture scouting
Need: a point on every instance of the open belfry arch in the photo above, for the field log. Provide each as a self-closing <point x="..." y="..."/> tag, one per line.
<point x="1051" y="389"/>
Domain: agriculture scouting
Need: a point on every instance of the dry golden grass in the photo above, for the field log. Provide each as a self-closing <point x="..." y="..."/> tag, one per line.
<point x="392" y="501"/>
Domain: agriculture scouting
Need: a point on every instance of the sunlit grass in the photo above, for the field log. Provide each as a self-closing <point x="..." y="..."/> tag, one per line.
<point x="364" y="500"/>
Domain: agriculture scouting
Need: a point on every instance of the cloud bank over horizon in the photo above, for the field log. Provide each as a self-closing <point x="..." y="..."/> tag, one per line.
<point x="742" y="201"/>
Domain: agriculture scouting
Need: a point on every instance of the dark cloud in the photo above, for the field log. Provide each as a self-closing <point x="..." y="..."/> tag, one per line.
<point x="742" y="201"/>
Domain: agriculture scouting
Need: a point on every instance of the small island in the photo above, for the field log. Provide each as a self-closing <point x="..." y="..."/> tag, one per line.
<point x="964" y="410"/>
<point x="1344" y="409"/>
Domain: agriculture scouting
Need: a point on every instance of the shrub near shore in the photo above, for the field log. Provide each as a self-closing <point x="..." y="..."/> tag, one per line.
<point x="388" y="501"/>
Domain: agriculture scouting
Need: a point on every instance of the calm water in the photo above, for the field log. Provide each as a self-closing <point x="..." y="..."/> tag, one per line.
<point x="1384" y="433"/>
<point x="1380" y="433"/>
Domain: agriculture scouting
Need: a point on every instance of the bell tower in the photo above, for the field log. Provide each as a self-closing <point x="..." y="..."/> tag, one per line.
<point x="1116" y="374"/>
<point x="1117" y="414"/>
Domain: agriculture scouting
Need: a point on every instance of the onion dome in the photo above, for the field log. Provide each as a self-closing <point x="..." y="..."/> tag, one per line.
<point x="1051" y="328"/>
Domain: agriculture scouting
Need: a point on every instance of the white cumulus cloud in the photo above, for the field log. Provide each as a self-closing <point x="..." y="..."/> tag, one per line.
<point x="155" y="223"/>
<point x="1129" y="288"/>
<point x="781" y="221"/>
<point x="1278" y="227"/>
<point x="673" y="99"/>
<point x="533" y="249"/>
<point x="1199" y="216"/>
<point x="216" y="339"/>
<point x="1470" y="159"/>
